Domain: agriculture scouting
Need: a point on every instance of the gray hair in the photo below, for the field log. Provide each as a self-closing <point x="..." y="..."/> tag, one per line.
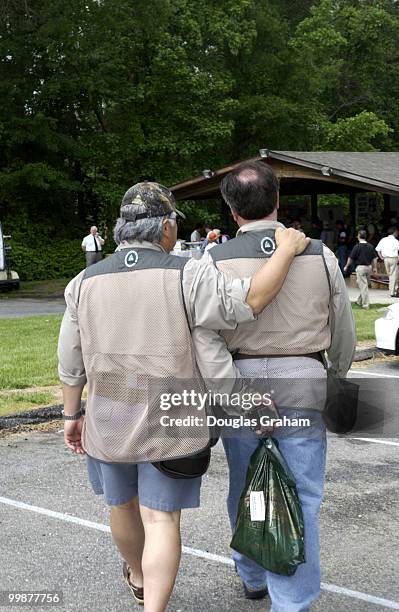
<point x="143" y="229"/>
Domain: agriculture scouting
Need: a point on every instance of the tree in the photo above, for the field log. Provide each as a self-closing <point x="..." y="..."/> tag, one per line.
<point x="98" y="94"/>
<point x="99" y="98"/>
<point x="347" y="58"/>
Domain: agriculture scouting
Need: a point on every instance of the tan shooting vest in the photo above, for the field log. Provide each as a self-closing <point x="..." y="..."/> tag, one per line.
<point x="296" y="321"/>
<point x="136" y="342"/>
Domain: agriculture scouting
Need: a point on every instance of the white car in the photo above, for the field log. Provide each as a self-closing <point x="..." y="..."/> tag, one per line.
<point x="387" y="330"/>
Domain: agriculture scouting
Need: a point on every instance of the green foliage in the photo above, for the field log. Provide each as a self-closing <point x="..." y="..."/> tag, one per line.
<point x="62" y="259"/>
<point x="347" y="62"/>
<point x="97" y="95"/>
<point x="11" y="403"/>
<point x="365" y="319"/>
<point x="355" y="133"/>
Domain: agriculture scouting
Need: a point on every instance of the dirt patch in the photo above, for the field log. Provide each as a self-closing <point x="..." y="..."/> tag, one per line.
<point x="377" y="358"/>
<point x="20" y="430"/>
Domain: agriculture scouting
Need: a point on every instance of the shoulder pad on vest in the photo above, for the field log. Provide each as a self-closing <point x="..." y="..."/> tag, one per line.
<point x="261" y="244"/>
<point x="129" y="260"/>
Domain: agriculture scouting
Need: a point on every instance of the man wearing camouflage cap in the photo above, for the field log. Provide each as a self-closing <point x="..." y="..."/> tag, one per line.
<point x="128" y="319"/>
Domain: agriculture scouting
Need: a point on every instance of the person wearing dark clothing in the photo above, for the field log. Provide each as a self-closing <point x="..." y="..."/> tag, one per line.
<point x="316" y="229"/>
<point x="342" y="244"/>
<point x="364" y="258"/>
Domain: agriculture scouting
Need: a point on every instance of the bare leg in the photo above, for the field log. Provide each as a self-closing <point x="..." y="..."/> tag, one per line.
<point x="128" y="533"/>
<point x="161" y="556"/>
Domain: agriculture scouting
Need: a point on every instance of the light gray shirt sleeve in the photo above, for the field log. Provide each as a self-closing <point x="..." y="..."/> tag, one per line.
<point x="71" y="368"/>
<point x="214" y="301"/>
<point x="342" y="324"/>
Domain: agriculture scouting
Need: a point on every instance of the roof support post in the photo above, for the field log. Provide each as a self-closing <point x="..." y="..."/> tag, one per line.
<point x="314" y="207"/>
<point x="352" y="207"/>
<point x="387" y="209"/>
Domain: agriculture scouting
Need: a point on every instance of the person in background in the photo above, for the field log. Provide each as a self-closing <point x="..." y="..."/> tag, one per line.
<point x="196" y="233"/>
<point x="316" y="229"/>
<point x="372" y="235"/>
<point x="342" y="248"/>
<point x="224" y="237"/>
<point x="327" y="236"/>
<point x="364" y="259"/>
<point x="204" y="243"/>
<point x="388" y="251"/>
<point x="350" y="232"/>
<point x="296" y="224"/>
<point x="212" y="238"/>
<point x="92" y="246"/>
<point x="394" y="223"/>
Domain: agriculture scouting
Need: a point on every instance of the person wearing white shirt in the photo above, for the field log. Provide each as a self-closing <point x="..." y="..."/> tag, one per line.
<point x="388" y="251"/>
<point x="92" y="246"/>
<point x="196" y="234"/>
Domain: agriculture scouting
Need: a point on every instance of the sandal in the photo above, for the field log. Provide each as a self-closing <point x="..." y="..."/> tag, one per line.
<point x="137" y="592"/>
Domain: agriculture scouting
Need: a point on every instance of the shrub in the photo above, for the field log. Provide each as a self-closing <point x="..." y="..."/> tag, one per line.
<point x="44" y="260"/>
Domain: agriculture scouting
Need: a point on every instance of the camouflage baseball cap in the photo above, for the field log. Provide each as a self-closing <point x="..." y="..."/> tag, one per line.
<point x="146" y="200"/>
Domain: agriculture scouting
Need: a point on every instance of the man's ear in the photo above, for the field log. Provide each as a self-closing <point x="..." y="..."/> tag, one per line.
<point x="165" y="224"/>
<point x="278" y="201"/>
<point x="234" y="214"/>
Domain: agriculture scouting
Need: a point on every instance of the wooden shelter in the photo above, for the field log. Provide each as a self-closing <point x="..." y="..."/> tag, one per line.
<point x="312" y="173"/>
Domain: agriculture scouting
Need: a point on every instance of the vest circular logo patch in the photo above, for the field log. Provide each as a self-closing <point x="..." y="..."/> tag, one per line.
<point x="268" y="245"/>
<point x="131" y="259"/>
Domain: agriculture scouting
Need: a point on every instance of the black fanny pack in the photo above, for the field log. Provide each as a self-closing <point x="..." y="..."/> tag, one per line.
<point x="341" y="409"/>
<point x="186" y="467"/>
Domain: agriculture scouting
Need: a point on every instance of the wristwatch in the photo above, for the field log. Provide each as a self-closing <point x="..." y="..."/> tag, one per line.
<point x="74" y="417"/>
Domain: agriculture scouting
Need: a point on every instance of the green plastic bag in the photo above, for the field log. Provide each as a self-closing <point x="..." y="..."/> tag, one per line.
<point x="269" y="528"/>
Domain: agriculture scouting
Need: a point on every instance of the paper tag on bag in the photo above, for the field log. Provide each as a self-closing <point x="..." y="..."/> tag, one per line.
<point x="257" y="506"/>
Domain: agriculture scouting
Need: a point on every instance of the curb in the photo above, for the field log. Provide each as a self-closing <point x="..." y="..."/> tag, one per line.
<point x="362" y="354"/>
<point x="32" y="417"/>
<point x="50" y="413"/>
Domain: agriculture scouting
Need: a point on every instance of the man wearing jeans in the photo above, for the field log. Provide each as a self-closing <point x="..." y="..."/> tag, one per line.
<point x="310" y="315"/>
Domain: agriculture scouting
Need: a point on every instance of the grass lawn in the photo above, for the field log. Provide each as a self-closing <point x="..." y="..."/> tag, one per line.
<point x="11" y="401"/>
<point x="28" y="356"/>
<point x="365" y="320"/>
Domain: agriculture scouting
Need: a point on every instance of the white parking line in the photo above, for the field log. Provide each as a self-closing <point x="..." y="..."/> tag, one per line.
<point x="332" y="588"/>
<point x="367" y="373"/>
<point x="375" y="441"/>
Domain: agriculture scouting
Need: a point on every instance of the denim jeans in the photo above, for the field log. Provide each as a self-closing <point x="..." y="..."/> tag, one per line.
<point x="306" y="456"/>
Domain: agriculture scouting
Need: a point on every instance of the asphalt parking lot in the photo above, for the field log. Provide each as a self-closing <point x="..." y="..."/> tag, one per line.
<point x="55" y="534"/>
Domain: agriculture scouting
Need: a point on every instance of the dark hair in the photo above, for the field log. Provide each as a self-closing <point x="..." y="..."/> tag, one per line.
<point x="392" y="230"/>
<point x="198" y="226"/>
<point x="251" y="189"/>
<point x="362" y="234"/>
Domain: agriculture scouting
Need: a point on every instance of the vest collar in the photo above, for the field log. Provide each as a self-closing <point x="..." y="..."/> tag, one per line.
<point x="257" y="226"/>
<point x="137" y="244"/>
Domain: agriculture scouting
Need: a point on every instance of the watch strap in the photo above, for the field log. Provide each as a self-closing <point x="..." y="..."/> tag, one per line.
<point x="73" y="417"/>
